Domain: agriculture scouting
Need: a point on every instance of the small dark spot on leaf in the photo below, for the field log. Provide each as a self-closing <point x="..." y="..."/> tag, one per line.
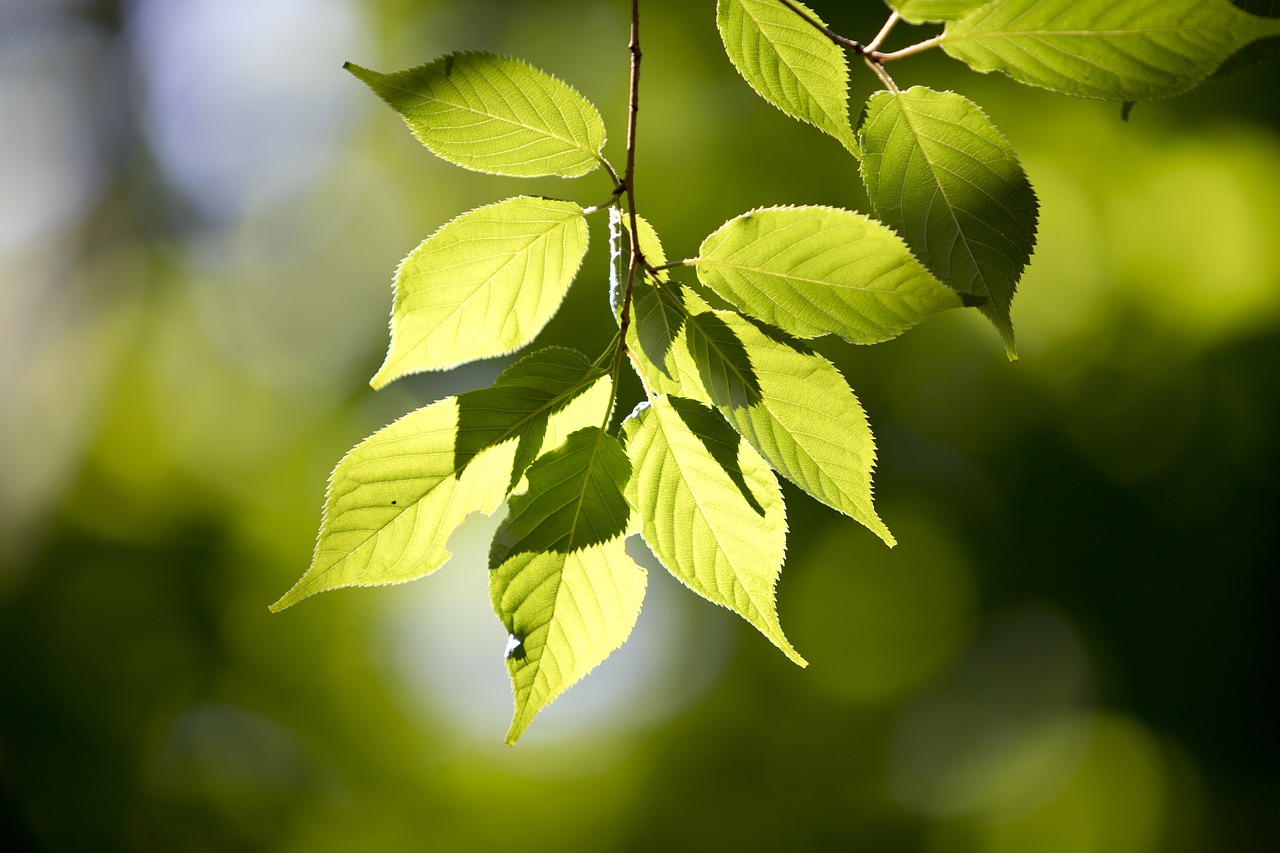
<point x="393" y="503"/>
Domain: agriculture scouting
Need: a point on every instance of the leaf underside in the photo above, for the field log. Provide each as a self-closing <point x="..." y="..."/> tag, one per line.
<point x="813" y="271"/>
<point x="485" y="284"/>
<point x="560" y="578"/>
<point x="1119" y="50"/>
<point x="712" y="511"/>
<point x="396" y="497"/>
<point x="922" y="11"/>
<point x="494" y="114"/>
<point x="939" y="173"/>
<point x="789" y="63"/>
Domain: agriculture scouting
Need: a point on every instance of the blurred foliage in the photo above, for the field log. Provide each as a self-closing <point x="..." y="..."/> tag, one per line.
<point x="1068" y="651"/>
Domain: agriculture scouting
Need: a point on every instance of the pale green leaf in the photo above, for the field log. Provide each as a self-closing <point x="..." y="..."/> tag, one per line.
<point x="711" y="509"/>
<point x="921" y="11"/>
<point x="396" y="497"/>
<point x="494" y="114"/>
<point x="483" y="285"/>
<point x="939" y="173"/>
<point x="820" y="270"/>
<point x="793" y="406"/>
<point x="1120" y="50"/>
<point x="560" y="580"/>
<point x="789" y="63"/>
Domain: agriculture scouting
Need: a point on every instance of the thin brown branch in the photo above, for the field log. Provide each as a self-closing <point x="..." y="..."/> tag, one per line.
<point x="629" y="176"/>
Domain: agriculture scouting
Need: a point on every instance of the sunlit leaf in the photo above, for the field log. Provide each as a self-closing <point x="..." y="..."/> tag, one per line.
<point x="396" y="497"/>
<point x="793" y="406"/>
<point x="789" y="62"/>
<point x="1120" y="50"/>
<point x="560" y="579"/>
<point x="483" y="285"/>
<point x="939" y="173"/>
<point x="821" y="270"/>
<point x="711" y="509"/>
<point x="494" y="114"/>
<point x="920" y="11"/>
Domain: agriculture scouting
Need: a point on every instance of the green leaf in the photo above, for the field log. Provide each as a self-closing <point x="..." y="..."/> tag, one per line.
<point x="396" y="497"/>
<point x="793" y="406"/>
<point x="483" y="285"/>
<point x="560" y="580"/>
<point x="1119" y="50"/>
<point x="494" y="114"/>
<point x="819" y="270"/>
<point x="926" y="11"/>
<point x="939" y="173"/>
<point x="789" y="63"/>
<point x="711" y="509"/>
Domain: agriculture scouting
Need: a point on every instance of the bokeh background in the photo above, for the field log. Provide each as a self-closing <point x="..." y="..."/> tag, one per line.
<point x="1072" y="649"/>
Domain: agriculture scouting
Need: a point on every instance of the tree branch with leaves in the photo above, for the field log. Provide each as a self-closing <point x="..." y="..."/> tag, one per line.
<point x="733" y="397"/>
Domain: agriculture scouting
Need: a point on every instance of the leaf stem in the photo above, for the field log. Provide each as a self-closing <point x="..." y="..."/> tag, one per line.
<point x="880" y="72"/>
<point x="884" y="32"/>
<point x="919" y="47"/>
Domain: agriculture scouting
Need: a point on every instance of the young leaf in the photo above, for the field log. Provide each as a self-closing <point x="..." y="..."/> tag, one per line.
<point x="789" y="63"/>
<point x="922" y="11"/>
<point x="940" y="174"/>
<point x="711" y="509"/>
<point x="396" y="497"/>
<point x="818" y="270"/>
<point x="494" y="114"/>
<point x="1118" y="50"/>
<point x="560" y="580"/>
<point x="793" y="406"/>
<point x="483" y="285"/>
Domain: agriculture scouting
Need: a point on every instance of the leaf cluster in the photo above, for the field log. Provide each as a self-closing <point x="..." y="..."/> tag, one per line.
<point x="733" y="394"/>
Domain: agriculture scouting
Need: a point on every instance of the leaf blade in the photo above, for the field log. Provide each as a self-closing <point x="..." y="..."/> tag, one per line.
<point x="928" y="11"/>
<point x="1119" y="50"/>
<point x="789" y="63"/>
<point x="939" y="173"/>
<point x="793" y="407"/>
<point x="396" y="497"/>
<point x="711" y="509"/>
<point x="494" y="114"/>
<point x="821" y="270"/>
<point x="483" y="285"/>
<point x="560" y="579"/>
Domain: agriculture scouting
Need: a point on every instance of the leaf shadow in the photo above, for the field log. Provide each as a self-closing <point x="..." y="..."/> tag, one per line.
<point x="720" y="440"/>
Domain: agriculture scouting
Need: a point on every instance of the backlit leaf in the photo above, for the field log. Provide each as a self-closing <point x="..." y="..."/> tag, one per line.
<point x="711" y="509"/>
<point x="494" y="114"/>
<point x="789" y="63"/>
<point x="919" y="11"/>
<point x="939" y="173"/>
<point x="396" y="497"/>
<point x="1119" y="50"/>
<point x="793" y="406"/>
<point x="560" y="579"/>
<point x="483" y="285"/>
<point x="821" y="270"/>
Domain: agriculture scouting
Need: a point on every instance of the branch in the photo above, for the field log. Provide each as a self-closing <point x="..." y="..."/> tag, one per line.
<point x="629" y="176"/>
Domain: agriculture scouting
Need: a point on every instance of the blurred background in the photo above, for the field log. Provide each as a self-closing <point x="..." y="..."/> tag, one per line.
<point x="200" y="214"/>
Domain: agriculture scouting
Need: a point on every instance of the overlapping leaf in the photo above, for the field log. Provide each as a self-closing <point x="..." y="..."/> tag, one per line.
<point x="396" y="497"/>
<point x="920" y="11"/>
<point x="1121" y="50"/>
<point x="483" y="285"/>
<point x="494" y="114"/>
<point x="939" y="173"/>
<point x="821" y="270"/>
<point x="793" y="406"/>
<point x="711" y="508"/>
<point x="560" y="580"/>
<point x="789" y="63"/>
